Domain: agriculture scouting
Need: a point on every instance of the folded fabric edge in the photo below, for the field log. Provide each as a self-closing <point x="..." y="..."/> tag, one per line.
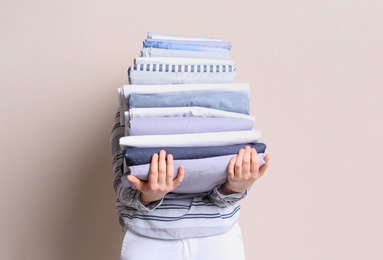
<point x="127" y="184"/>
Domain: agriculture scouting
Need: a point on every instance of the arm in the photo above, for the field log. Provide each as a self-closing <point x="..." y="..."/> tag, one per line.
<point x="147" y="195"/>
<point x="128" y="197"/>
<point x="243" y="170"/>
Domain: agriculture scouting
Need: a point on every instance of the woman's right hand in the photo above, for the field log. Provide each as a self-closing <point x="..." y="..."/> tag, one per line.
<point x="160" y="179"/>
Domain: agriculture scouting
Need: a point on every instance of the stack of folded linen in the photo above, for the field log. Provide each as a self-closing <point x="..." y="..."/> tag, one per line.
<point x="182" y="98"/>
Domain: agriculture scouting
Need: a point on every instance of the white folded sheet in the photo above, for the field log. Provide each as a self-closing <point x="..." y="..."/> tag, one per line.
<point x="191" y="140"/>
<point x="178" y="60"/>
<point x="183" y="112"/>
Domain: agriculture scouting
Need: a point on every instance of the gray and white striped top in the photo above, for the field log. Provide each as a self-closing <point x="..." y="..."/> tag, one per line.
<point x="173" y="217"/>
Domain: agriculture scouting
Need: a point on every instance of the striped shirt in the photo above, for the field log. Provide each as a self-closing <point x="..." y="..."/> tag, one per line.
<point x="176" y="216"/>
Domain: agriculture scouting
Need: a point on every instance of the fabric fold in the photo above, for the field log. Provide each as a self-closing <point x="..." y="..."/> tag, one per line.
<point x="188" y="45"/>
<point x="125" y="90"/>
<point x="165" y="73"/>
<point x="187" y="68"/>
<point x="178" y="60"/>
<point x="228" y="101"/>
<point x="183" y="112"/>
<point x="206" y="43"/>
<point x="191" y="140"/>
<point x="137" y="156"/>
<point x="185" y="125"/>
<point x="157" y="52"/>
<point x="164" y="36"/>
<point x="138" y="77"/>
<point x="201" y="175"/>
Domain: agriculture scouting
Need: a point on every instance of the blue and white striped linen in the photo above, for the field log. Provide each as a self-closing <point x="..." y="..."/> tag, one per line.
<point x="192" y="68"/>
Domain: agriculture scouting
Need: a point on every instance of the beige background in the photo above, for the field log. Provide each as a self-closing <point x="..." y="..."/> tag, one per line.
<point x="315" y="68"/>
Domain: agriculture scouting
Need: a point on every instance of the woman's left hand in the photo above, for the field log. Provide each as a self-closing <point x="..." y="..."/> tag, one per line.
<point x="243" y="170"/>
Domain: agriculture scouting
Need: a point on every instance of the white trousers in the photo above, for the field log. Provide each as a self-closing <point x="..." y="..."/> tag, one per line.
<point x="227" y="246"/>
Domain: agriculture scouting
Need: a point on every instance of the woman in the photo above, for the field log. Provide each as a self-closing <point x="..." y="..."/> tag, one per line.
<point x="158" y="224"/>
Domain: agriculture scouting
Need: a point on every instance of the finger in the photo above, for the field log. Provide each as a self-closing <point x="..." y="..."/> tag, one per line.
<point x="254" y="167"/>
<point x="169" y="170"/>
<point x="153" y="171"/>
<point x="162" y="167"/>
<point x="238" y="164"/>
<point x="180" y="176"/>
<point x="246" y="161"/>
<point x="230" y="168"/>
<point x="263" y="168"/>
<point x="137" y="183"/>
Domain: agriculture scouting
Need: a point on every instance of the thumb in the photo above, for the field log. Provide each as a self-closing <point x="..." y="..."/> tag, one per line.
<point x="137" y="183"/>
<point x="180" y="176"/>
<point x="263" y="168"/>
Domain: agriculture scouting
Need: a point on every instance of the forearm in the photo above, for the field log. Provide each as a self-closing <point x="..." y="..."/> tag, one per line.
<point x="128" y="196"/>
<point x="131" y="198"/>
<point x="226" y="189"/>
<point x="224" y="200"/>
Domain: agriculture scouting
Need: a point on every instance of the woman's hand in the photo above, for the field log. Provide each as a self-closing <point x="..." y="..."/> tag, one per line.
<point x="160" y="178"/>
<point x="243" y="170"/>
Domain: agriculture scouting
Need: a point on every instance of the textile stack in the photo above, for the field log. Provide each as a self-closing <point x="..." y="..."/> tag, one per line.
<point x="182" y="98"/>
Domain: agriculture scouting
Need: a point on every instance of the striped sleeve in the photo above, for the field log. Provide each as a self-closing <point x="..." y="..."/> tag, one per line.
<point x="223" y="201"/>
<point x="128" y="196"/>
